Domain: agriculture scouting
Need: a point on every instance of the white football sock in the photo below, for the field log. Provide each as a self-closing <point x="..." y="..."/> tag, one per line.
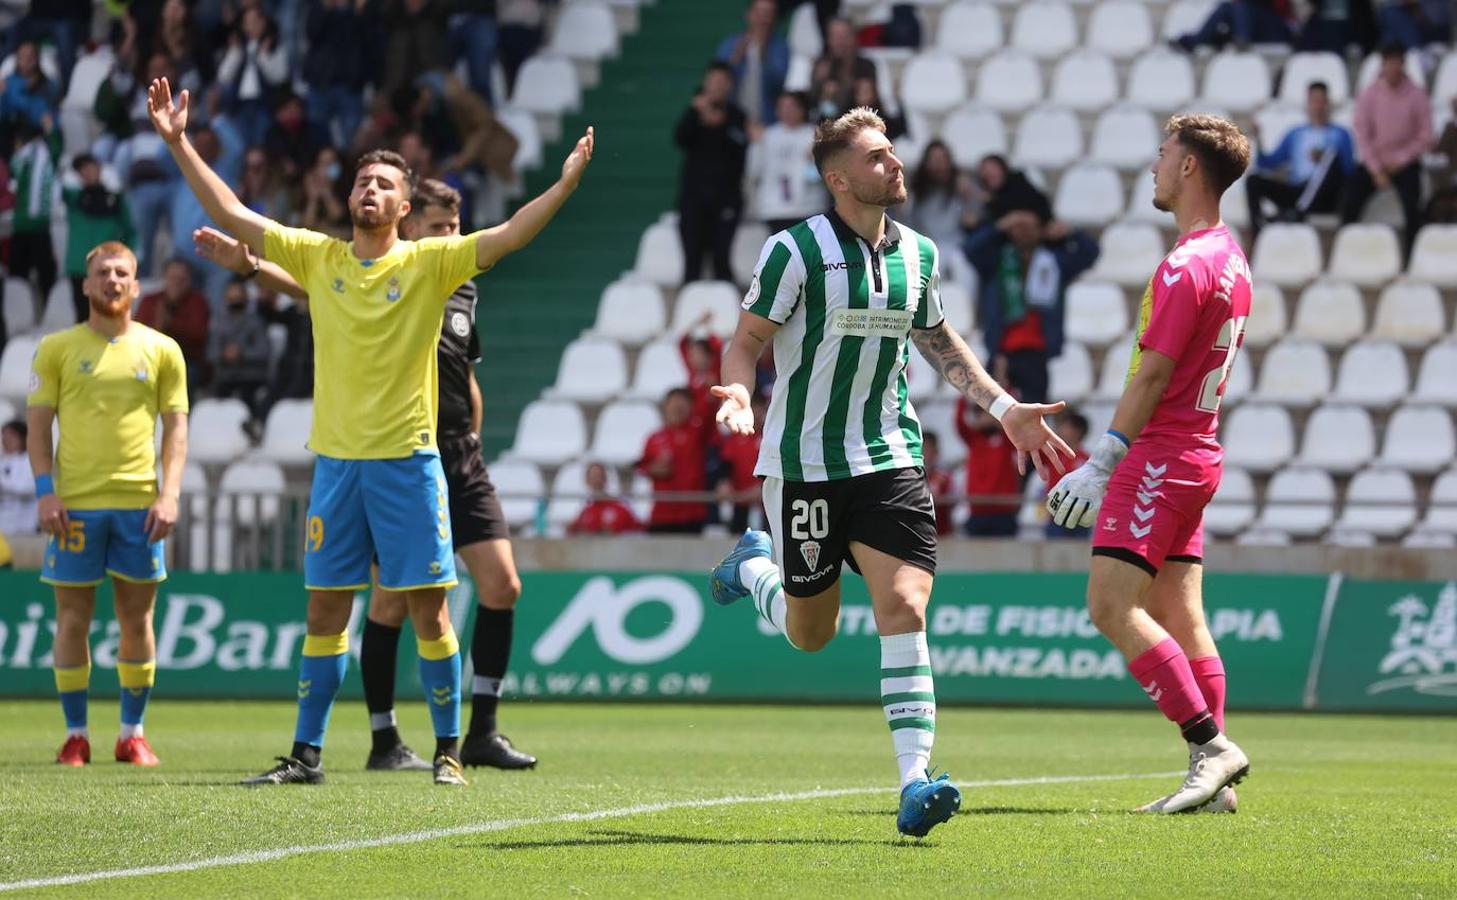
<point x="761" y="576"/>
<point x="130" y="731"/>
<point x="908" y="694"/>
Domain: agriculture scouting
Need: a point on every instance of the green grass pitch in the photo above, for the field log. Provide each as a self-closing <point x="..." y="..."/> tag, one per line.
<point x="1335" y="806"/>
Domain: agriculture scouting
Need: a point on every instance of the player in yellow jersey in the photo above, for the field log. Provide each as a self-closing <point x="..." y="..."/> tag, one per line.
<point x="107" y="380"/>
<point x="379" y="489"/>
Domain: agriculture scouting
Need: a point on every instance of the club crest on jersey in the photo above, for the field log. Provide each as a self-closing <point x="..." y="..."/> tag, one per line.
<point x="141" y="373"/>
<point x="810" y="550"/>
<point x="460" y="324"/>
<point x="753" y="295"/>
<point x="86" y="367"/>
<point x="393" y="294"/>
<point x="338" y="285"/>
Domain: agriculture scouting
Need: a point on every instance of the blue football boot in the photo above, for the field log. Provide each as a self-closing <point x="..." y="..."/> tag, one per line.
<point x="723" y="581"/>
<point x="926" y="804"/>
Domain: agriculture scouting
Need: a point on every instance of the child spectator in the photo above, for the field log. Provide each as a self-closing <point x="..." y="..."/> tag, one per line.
<point x="96" y="214"/>
<point x="737" y="483"/>
<point x="939" y="481"/>
<point x="17" y="485"/>
<point x="673" y="458"/>
<point x="1072" y="428"/>
<point x="602" y="514"/>
<point x="991" y="471"/>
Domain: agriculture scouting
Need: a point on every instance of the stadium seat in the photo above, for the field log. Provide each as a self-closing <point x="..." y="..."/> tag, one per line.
<point x="1434" y="256"/>
<point x="547" y="85"/>
<point x="1444" y="86"/>
<point x="972" y="132"/>
<point x="1140" y="203"/>
<point x="1125" y="136"/>
<point x="550" y="432"/>
<point x="630" y="312"/>
<point x="1437" y="377"/>
<point x="1239" y="384"/>
<point x="1380" y="501"/>
<point x="622" y="427"/>
<point x="1238" y="82"/>
<point x="1371" y="66"/>
<point x="524" y="126"/>
<point x="1161" y="80"/>
<point x="60" y="311"/>
<point x="9" y="410"/>
<point x="969" y="29"/>
<point x="15" y="366"/>
<point x="1365" y="254"/>
<point x="1114" y="372"/>
<point x="1130" y="253"/>
<point x="957" y="306"/>
<point x="1268" y="320"/>
<point x="1345" y="536"/>
<point x="286" y="433"/>
<point x="1184" y="16"/>
<point x="584" y="29"/>
<point x="660" y="368"/>
<point x="592" y="370"/>
<point x="1419" y="439"/>
<point x="1273" y="121"/>
<point x="1097" y="313"/>
<point x="1303" y="68"/>
<point x="1233" y="507"/>
<point x="922" y="381"/>
<point x="1287" y="254"/>
<point x="804" y="33"/>
<point x="1372" y="373"/>
<point x="1234" y="207"/>
<point x="1294" y="373"/>
<point x="1071" y="373"/>
<point x="1330" y="313"/>
<point x="1010" y="81"/>
<point x="660" y="255"/>
<point x="1408" y="313"/>
<point x="1338" y="439"/>
<point x="1299" y="502"/>
<point x="215" y="433"/>
<point x="939" y="416"/>
<point x="1048" y="136"/>
<point x="1089" y="195"/>
<point x="1046" y="29"/>
<point x="1262" y="537"/>
<point x="249" y="492"/>
<point x="520" y="486"/>
<point x="717" y="299"/>
<point x="1085" y="80"/>
<point x="1442" y="504"/>
<point x="1120" y="28"/>
<point x="748" y="243"/>
<point x="1422" y="538"/>
<point x="1258" y="437"/>
<point x="933" y="83"/>
<point x="19" y="309"/>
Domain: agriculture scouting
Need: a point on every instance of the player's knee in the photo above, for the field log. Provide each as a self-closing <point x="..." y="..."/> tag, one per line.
<point x="1106" y="610"/>
<point x="812" y="637"/>
<point x="501" y="591"/>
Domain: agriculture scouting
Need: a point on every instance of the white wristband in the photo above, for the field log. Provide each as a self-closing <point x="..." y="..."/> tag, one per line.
<point x="1000" y="406"/>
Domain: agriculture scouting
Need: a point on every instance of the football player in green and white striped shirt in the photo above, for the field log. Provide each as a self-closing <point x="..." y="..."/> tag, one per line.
<point x="843" y="296"/>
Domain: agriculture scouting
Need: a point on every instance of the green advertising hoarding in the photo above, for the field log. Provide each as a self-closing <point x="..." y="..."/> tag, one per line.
<point x="1017" y="639"/>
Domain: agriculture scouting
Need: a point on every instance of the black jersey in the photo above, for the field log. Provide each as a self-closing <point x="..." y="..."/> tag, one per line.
<point x="459" y="351"/>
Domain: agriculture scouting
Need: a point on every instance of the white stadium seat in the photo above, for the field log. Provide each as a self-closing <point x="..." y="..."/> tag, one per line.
<point x="592" y="370"/>
<point x="1437" y="377"/>
<point x="520" y="486"/>
<point x="1274" y="120"/>
<point x="1239" y="385"/>
<point x="1371" y="67"/>
<point x="744" y="252"/>
<point x="60" y="312"/>
<point x="1380" y="501"/>
<point x="1048" y="136"/>
<point x="1234" y="207"/>
<point x="1161" y="80"/>
<point x="1184" y="16"/>
<point x="1409" y="313"/>
<point x="1233" y="507"/>
<point x="550" y="432"/>
<point x="660" y="368"/>
<point x="15" y="366"/>
<point x="19" y="309"/>
<point x="1419" y="439"/>
<point x="1303" y="68"/>
<point x="717" y="299"/>
<point x="1097" y="313"/>
<point x="933" y="83"/>
<point x="1299" y="502"/>
<point x="957" y="306"/>
<point x="1430" y="540"/>
<point x="1346" y="536"/>
<point x="1044" y="28"/>
<point x="1330" y="313"/>
<point x="1373" y="373"/>
<point x="249" y="492"/>
<point x="1442" y="504"/>
<point x="969" y="29"/>
<point x="804" y="33"/>
<point x="1287" y="254"/>
<point x="1262" y="537"/>
<point x="1444" y="86"/>
<point x="585" y="29"/>
<point x="939" y="416"/>
<point x="1140" y="203"/>
<point x="1366" y="254"/>
<point x="1010" y="81"/>
<point x="1071" y="373"/>
<point x="1120" y="28"/>
<point x="660" y="255"/>
<point x="1238" y="82"/>
<point x="1089" y="195"/>
<point x="1113" y="373"/>
<point x="1338" y="439"/>
<point x="1130" y="253"/>
<point x="547" y="85"/>
<point x="1085" y="80"/>
<point x="215" y="431"/>
<point x="527" y="130"/>
<point x="1125" y="136"/>
<point x="1434" y="256"/>
<point x="1268" y="320"/>
<point x="630" y="312"/>
<point x="1294" y="373"/>
<point x="286" y="433"/>
<point x="973" y="132"/>
<point x="1258" y="437"/>
<point x="922" y="381"/>
<point x="622" y="427"/>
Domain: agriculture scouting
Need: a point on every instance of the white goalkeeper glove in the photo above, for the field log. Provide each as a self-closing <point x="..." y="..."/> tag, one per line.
<point x="1074" y="502"/>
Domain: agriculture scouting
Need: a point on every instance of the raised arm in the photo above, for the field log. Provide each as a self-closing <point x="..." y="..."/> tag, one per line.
<point x="218" y="200"/>
<point x="739" y="364"/>
<point x="519" y="230"/>
<point x="231" y="254"/>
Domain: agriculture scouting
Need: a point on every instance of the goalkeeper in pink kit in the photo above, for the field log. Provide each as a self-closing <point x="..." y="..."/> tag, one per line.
<point x="1144" y="489"/>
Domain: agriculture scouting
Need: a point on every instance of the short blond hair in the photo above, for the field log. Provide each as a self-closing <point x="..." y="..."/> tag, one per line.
<point x="1222" y="149"/>
<point x="111" y="248"/>
<point x="834" y="135"/>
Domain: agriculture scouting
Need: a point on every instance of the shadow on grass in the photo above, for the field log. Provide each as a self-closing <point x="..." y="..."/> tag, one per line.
<point x="634" y="838"/>
<point x="983" y="811"/>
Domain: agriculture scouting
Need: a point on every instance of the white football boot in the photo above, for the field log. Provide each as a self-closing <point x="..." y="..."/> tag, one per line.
<point x="1226" y="801"/>
<point x="1212" y="766"/>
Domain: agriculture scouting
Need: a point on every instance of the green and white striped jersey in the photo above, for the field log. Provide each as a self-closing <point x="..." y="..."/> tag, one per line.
<point x="845" y="311"/>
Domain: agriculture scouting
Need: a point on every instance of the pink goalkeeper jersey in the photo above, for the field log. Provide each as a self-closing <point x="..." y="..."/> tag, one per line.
<point x="1194" y="311"/>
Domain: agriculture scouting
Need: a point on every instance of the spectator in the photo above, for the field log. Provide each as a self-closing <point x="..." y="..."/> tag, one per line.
<point x="944" y="204"/>
<point x="711" y="193"/>
<point x="787" y="187"/>
<point x="1413" y="24"/>
<point x="323" y="206"/>
<point x="183" y="43"/>
<point x="991" y="472"/>
<point x="832" y="82"/>
<point x="64" y="22"/>
<point x="940" y="482"/>
<point x="1393" y="132"/>
<point x="180" y="311"/>
<point x="34" y="166"/>
<point x="293" y="378"/>
<point x="291" y="141"/>
<point x="673" y="458"/>
<point x="149" y="176"/>
<point x="473" y="39"/>
<point x="1335" y="25"/>
<point x="519" y="33"/>
<point x="737" y="483"/>
<point x="17" y="485"/>
<point x="602" y="514"/>
<point x="1072" y="427"/>
<point x="417" y="41"/>
<point x="337" y="66"/>
<point x="95" y="214"/>
<point x="457" y="121"/>
<point x="702" y="354"/>
<point x="1008" y="190"/>
<point x="238" y="348"/>
<point x="252" y="69"/>
<point x="29" y="97"/>
<point x="760" y="61"/>
<point x="865" y="92"/>
<point x="1316" y="158"/>
<point x="260" y="189"/>
<point x="1024" y="268"/>
<point x="1443" y="205"/>
<point x="1242" y="22"/>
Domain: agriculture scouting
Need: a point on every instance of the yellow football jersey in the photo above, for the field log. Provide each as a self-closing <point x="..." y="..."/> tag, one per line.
<point x="107" y="394"/>
<point x="376" y="324"/>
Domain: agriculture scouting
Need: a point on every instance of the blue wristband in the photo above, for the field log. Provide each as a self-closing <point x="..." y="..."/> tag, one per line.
<point x="45" y="485"/>
<point x="1120" y="436"/>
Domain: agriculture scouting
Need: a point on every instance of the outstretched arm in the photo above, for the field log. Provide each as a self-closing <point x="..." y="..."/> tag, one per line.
<point x="739" y="363"/>
<point x="519" y="230"/>
<point x="233" y="255"/>
<point x="218" y="200"/>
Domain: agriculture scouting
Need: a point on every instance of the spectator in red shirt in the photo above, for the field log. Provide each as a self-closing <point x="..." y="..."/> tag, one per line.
<point x="673" y="458"/>
<point x="939" y="480"/>
<point x="703" y="356"/>
<point x="738" y="484"/>
<point x="1073" y="428"/>
<point x="991" y="471"/>
<point x="602" y="514"/>
<point x="180" y="311"/>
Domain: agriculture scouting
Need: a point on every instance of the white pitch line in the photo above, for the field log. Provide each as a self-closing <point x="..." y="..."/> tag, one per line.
<point x="415" y="837"/>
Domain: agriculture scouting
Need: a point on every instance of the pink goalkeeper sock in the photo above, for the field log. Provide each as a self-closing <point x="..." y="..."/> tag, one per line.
<point x="1209" y="673"/>
<point x="1163" y="673"/>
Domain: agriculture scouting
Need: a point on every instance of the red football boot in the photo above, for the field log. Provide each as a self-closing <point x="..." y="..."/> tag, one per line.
<point x="137" y="751"/>
<point x="76" y="751"/>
